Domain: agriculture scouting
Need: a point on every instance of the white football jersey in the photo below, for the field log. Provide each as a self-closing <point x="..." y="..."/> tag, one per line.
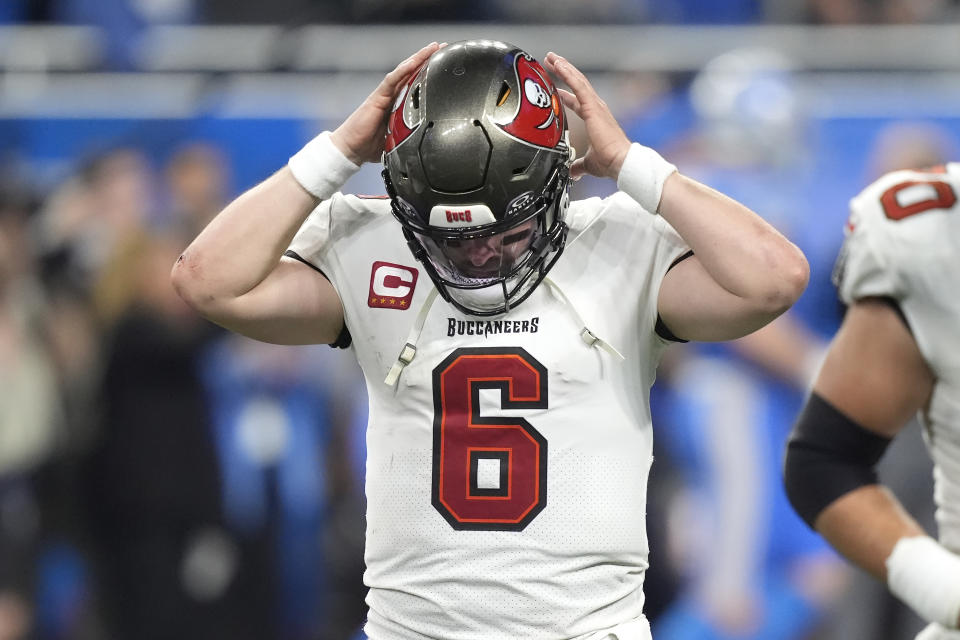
<point x="507" y="468"/>
<point x="903" y="242"/>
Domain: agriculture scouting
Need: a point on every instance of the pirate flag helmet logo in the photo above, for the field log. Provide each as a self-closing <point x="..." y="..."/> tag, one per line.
<point x="539" y="118"/>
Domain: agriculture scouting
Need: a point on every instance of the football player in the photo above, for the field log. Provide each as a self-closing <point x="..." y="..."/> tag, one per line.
<point x="509" y="436"/>
<point x="896" y="354"/>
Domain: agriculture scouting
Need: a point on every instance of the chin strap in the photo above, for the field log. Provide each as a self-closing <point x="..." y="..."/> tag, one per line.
<point x="589" y="337"/>
<point x="409" y="351"/>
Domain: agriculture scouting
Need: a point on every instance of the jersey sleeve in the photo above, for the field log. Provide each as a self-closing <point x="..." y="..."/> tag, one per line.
<point x="865" y="267"/>
<point x="638" y="247"/>
<point x="312" y="240"/>
<point x="324" y="238"/>
<point x="330" y="227"/>
<point x="669" y="250"/>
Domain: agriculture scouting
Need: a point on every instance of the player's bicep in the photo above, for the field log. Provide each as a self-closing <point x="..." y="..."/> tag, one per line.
<point x="874" y="372"/>
<point x="694" y="307"/>
<point x="295" y="304"/>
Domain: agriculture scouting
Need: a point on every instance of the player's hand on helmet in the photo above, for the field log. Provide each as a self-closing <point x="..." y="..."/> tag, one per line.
<point x="608" y="143"/>
<point x="362" y="134"/>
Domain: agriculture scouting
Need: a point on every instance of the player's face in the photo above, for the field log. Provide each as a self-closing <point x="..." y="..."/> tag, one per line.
<point x="490" y="257"/>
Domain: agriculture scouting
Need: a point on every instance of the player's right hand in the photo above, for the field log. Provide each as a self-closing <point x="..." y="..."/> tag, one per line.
<point x="361" y="136"/>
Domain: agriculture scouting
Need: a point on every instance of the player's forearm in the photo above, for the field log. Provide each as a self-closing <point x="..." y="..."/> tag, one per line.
<point x="244" y="243"/>
<point x="864" y="525"/>
<point x="740" y="251"/>
<point x="870" y="527"/>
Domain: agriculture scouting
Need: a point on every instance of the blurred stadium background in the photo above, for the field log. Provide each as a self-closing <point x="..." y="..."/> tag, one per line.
<point x="161" y="479"/>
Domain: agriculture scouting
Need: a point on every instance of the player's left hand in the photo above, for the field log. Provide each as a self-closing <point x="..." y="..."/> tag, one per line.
<point x="608" y="143"/>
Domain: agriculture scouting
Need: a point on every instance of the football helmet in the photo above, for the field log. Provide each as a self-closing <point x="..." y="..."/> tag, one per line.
<point x="476" y="164"/>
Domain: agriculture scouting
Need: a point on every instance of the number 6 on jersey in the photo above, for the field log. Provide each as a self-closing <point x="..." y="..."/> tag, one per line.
<point x="489" y="472"/>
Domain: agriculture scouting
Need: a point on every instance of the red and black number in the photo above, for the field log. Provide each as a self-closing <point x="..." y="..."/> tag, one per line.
<point x="489" y="472"/>
<point x="943" y="198"/>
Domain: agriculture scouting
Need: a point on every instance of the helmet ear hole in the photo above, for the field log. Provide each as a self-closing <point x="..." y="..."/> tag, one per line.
<point x="416" y="97"/>
<point x="504" y="93"/>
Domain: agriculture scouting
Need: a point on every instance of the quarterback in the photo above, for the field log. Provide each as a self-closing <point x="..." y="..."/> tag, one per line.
<point x="897" y="354"/>
<point x="508" y="336"/>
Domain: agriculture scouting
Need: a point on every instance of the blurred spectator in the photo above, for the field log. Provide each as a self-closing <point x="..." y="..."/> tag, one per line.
<point x="196" y="184"/>
<point x="30" y="414"/>
<point x="167" y="568"/>
<point x="909" y="145"/>
<point x="753" y="570"/>
<point x="208" y="484"/>
<point x="274" y="417"/>
<point x="749" y="112"/>
<point x="90" y="232"/>
<point x="122" y="198"/>
<point x="29" y="403"/>
<point x="93" y="224"/>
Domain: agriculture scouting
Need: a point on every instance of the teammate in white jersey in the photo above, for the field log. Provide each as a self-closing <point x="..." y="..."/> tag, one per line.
<point x="896" y="354"/>
<point x="509" y="439"/>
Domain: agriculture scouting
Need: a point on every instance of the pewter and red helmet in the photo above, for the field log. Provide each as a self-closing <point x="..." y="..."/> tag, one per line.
<point x="476" y="165"/>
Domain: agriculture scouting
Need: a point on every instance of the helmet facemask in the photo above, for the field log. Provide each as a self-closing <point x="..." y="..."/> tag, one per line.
<point x="488" y="269"/>
<point x="476" y="166"/>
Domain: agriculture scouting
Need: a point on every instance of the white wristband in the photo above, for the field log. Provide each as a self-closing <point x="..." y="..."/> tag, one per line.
<point x="320" y="167"/>
<point x="926" y="576"/>
<point x="642" y="176"/>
